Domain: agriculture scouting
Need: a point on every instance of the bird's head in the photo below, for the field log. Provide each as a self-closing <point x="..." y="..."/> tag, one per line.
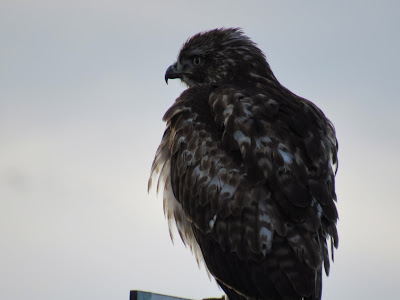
<point x="219" y="56"/>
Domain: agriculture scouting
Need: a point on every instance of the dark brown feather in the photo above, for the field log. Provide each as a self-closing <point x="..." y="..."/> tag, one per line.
<point x="248" y="173"/>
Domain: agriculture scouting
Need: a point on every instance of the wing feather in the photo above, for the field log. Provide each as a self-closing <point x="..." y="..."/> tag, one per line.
<point x="248" y="180"/>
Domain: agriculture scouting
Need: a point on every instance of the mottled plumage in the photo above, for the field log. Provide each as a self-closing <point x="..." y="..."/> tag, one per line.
<point x="248" y="171"/>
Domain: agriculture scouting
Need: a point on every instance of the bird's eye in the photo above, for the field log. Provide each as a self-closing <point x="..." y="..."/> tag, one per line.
<point x="196" y="60"/>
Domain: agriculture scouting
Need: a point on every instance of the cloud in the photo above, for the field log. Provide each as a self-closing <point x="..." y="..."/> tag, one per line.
<point x="82" y="96"/>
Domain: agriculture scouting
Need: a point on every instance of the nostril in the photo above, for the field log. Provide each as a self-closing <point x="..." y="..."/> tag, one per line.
<point x="185" y="67"/>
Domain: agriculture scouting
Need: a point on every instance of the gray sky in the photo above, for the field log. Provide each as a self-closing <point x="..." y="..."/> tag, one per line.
<point x="82" y="94"/>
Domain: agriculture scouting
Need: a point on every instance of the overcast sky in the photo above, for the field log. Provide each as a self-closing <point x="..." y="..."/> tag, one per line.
<point x="82" y="94"/>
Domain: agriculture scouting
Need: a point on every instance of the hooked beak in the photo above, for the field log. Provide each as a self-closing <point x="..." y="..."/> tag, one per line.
<point x="172" y="72"/>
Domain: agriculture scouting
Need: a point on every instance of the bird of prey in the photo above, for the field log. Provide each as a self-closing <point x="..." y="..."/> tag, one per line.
<point x="248" y="171"/>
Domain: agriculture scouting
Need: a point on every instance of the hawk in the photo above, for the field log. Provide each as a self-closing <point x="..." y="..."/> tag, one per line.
<point x="248" y="171"/>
